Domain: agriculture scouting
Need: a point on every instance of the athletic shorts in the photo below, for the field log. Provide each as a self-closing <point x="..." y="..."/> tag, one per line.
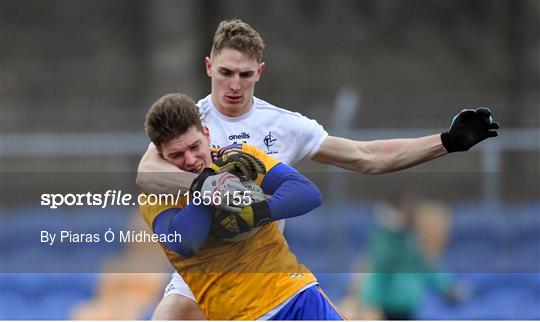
<point x="177" y="285"/>
<point x="310" y="304"/>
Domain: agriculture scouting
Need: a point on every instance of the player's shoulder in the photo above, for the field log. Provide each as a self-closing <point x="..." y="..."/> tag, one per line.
<point x="266" y="107"/>
<point x="268" y="161"/>
<point x="205" y="106"/>
<point x="239" y="147"/>
<point x="251" y="149"/>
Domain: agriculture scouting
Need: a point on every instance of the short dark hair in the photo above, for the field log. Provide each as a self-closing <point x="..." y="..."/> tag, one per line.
<point x="170" y="116"/>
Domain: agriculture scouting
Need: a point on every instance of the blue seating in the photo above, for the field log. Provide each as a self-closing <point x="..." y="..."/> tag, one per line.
<point x="44" y="296"/>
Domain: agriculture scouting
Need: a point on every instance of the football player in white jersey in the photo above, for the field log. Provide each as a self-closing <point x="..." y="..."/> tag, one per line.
<point x="233" y="114"/>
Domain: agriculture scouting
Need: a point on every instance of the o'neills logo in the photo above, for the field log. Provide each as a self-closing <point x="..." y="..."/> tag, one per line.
<point x="241" y="136"/>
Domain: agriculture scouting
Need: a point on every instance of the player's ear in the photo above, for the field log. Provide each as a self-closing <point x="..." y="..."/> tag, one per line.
<point x="260" y="70"/>
<point x="208" y="65"/>
<point x="206" y="133"/>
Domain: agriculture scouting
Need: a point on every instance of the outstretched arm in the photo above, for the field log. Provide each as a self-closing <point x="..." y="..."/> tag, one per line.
<point x="155" y="175"/>
<point x="380" y="156"/>
<point x="468" y="128"/>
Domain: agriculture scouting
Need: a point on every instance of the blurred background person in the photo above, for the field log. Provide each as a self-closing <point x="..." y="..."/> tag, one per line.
<point x="404" y="246"/>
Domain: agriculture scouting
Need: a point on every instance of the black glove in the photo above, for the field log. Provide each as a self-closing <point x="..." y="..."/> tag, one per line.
<point x="229" y="224"/>
<point x="468" y="128"/>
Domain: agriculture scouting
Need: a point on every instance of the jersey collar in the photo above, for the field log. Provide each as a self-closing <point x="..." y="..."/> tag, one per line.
<point x="231" y="118"/>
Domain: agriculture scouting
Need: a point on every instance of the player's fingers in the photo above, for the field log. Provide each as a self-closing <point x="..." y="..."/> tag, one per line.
<point x="225" y="168"/>
<point x="485" y="115"/>
<point x="466" y="113"/>
<point x="248" y="168"/>
<point x="259" y="165"/>
<point x="491" y="134"/>
<point x="253" y="161"/>
<point x="255" y="196"/>
<point x="235" y="185"/>
<point x="256" y="165"/>
<point x="463" y="116"/>
<point x="244" y="169"/>
<point x="493" y="126"/>
<point x="229" y="208"/>
<point x="230" y="155"/>
<point x="484" y="111"/>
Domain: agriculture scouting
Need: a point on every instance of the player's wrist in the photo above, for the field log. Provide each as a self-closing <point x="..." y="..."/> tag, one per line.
<point x="262" y="214"/>
<point x="447" y="142"/>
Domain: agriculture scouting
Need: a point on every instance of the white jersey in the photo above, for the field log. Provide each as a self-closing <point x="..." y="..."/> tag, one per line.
<point x="285" y="135"/>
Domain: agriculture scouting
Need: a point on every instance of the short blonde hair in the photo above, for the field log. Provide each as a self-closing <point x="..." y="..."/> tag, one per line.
<point x="238" y="35"/>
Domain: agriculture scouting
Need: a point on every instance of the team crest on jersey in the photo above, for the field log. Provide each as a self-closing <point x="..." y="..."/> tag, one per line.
<point x="269" y="141"/>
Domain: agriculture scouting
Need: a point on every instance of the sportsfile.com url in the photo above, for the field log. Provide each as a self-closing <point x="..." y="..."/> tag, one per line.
<point x="117" y="198"/>
<point x="109" y="198"/>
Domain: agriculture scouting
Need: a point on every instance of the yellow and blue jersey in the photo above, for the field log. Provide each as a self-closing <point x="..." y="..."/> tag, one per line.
<point x="239" y="280"/>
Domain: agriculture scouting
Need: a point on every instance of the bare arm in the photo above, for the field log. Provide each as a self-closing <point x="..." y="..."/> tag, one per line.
<point x="468" y="128"/>
<point x="380" y="156"/>
<point x="155" y="175"/>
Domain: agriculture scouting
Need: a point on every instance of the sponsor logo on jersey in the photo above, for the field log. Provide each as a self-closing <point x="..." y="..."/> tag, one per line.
<point x="241" y="136"/>
<point x="269" y="141"/>
<point x="296" y="275"/>
<point x="230" y="224"/>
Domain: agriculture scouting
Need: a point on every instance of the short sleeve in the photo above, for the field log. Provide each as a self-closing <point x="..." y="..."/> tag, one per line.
<point x="310" y="136"/>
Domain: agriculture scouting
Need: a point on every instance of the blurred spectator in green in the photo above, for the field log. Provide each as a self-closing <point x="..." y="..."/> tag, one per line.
<point x="408" y="237"/>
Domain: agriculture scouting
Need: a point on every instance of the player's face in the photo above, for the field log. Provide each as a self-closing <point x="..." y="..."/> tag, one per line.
<point x="234" y="75"/>
<point x="189" y="151"/>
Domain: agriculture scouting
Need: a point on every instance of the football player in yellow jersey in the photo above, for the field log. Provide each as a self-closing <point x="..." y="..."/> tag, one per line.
<point x="256" y="277"/>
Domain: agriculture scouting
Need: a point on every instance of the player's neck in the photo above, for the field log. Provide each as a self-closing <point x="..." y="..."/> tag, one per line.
<point x="233" y="111"/>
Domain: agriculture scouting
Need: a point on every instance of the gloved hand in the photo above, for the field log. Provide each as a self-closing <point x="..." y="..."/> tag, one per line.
<point x="209" y="185"/>
<point x="234" y="223"/>
<point x="227" y="184"/>
<point x="227" y="225"/>
<point x="241" y="164"/>
<point x="468" y="128"/>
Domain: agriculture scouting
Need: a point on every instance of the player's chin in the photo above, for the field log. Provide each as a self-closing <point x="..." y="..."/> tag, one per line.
<point x="199" y="168"/>
<point x="195" y="169"/>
